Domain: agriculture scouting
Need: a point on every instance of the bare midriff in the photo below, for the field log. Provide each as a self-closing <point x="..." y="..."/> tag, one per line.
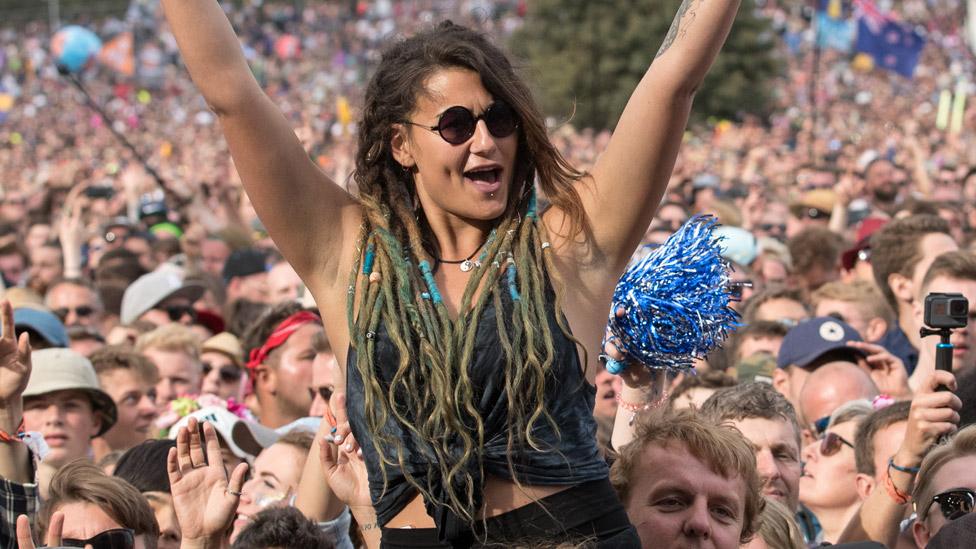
<point x="500" y="496"/>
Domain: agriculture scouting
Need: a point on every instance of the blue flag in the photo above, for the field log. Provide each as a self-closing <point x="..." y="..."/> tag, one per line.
<point x="834" y="33"/>
<point x="892" y="45"/>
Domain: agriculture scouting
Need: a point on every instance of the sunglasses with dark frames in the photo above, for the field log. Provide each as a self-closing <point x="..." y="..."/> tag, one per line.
<point x="831" y="443"/>
<point x="955" y="503"/>
<point x="457" y="124"/>
<point x="117" y="538"/>
<point x="84" y="311"/>
<point x="176" y="312"/>
<point x="228" y="373"/>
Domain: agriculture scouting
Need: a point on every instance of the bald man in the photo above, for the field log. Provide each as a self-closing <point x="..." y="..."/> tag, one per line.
<point x="830" y="386"/>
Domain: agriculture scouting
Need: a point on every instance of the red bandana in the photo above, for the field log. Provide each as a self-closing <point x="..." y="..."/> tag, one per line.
<point x="280" y="335"/>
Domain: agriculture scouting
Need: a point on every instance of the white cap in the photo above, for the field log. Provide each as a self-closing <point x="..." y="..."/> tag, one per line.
<point x="245" y="439"/>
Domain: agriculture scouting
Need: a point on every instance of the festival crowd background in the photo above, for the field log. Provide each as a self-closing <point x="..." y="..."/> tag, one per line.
<point x="854" y="199"/>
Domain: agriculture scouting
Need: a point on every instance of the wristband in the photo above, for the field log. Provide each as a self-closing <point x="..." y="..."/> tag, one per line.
<point x="899" y="497"/>
<point x="634" y="408"/>
<point x="896" y="467"/>
<point x="7" y="437"/>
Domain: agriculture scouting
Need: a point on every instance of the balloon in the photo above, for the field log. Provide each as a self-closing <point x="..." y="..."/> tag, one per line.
<point x="74" y="47"/>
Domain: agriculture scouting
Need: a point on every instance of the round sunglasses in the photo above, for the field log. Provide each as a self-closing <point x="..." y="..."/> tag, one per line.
<point x="831" y="443"/>
<point x="457" y="124"/>
<point x="955" y="503"/>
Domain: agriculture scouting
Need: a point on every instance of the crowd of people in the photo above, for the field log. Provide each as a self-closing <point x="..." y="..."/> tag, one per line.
<point x="165" y="373"/>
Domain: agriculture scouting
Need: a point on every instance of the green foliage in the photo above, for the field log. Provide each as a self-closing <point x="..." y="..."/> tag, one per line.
<point x="588" y="56"/>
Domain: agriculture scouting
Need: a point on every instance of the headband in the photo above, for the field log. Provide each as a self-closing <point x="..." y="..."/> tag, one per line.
<point x="280" y="335"/>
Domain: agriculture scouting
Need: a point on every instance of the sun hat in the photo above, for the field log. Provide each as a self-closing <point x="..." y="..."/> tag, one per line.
<point x="65" y="370"/>
<point x="227" y="344"/>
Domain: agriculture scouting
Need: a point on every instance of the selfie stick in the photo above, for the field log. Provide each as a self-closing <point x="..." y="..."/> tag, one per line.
<point x="943" y="350"/>
<point x="110" y="123"/>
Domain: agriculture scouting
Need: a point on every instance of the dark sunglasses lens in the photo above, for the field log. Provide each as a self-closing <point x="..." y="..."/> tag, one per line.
<point x="829" y="444"/>
<point x="229" y="374"/>
<point x="119" y="538"/>
<point x="500" y="119"/>
<point x="176" y="312"/>
<point x="956" y="504"/>
<point x="84" y="311"/>
<point x="456" y="125"/>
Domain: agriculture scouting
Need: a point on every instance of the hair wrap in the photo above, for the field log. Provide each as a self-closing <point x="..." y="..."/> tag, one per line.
<point x="280" y="335"/>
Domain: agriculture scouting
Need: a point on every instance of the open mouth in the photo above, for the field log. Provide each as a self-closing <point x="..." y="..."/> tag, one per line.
<point x="488" y="179"/>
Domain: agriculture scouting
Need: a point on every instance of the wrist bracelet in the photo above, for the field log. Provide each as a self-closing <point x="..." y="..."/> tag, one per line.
<point x="896" y="467"/>
<point x="634" y="408"/>
<point x="899" y="497"/>
<point x="7" y="437"/>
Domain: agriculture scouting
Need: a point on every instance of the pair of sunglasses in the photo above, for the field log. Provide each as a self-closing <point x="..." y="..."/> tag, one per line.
<point x="176" y="312"/>
<point x="228" y="373"/>
<point x="955" y="503"/>
<point x="457" y="124"/>
<point x="831" y="443"/>
<point x="117" y="538"/>
<point x="83" y="312"/>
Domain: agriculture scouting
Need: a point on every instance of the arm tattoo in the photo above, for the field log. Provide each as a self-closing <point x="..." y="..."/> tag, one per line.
<point x="676" y="26"/>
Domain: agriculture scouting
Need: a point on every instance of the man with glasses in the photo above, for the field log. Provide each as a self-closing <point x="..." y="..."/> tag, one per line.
<point x="76" y="303"/>
<point x="161" y="297"/>
<point x="222" y="359"/>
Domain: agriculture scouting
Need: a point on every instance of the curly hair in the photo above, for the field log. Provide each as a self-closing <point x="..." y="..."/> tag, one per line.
<point x="431" y="393"/>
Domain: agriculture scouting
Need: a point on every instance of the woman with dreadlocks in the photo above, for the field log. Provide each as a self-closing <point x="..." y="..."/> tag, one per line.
<point x="461" y="304"/>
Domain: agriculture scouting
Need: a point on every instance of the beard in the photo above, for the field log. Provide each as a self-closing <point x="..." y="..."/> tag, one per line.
<point x="885" y="194"/>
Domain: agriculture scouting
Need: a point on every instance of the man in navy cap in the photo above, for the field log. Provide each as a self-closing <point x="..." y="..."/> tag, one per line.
<point x="809" y="345"/>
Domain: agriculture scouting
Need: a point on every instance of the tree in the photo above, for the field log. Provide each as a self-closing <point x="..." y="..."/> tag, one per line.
<point x="586" y="57"/>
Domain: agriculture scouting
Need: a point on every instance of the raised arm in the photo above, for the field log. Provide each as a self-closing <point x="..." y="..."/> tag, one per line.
<point x="632" y="175"/>
<point x="305" y="212"/>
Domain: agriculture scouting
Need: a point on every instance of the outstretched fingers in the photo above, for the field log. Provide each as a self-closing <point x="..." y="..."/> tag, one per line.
<point x="24" y="539"/>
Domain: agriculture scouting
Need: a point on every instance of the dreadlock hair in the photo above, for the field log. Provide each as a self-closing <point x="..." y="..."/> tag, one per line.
<point x="431" y="382"/>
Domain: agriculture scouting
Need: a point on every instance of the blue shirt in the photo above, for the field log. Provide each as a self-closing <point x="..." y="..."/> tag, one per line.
<point x="898" y="344"/>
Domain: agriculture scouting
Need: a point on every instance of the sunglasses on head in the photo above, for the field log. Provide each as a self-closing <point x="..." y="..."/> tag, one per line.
<point x="176" y="312"/>
<point x="955" y="503"/>
<point x="84" y="311"/>
<point x="117" y="538"/>
<point x="457" y="124"/>
<point x="228" y="373"/>
<point x="831" y="443"/>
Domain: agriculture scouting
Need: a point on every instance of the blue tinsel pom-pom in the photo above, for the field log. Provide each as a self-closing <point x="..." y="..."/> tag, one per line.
<point x="675" y="301"/>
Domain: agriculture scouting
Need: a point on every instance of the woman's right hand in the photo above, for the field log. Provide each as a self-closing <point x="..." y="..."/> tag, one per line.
<point x="343" y="463"/>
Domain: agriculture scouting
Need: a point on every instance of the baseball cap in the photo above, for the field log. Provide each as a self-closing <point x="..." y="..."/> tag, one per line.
<point x="150" y="289"/>
<point x="245" y="262"/>
<point x="225" y="343"/>
<point x="867" y="228"/>
<point x="43" y="323"/>
<point x="63" y="370"/>
<point x="152" y="207"/>
<point x="738" y="245"/>
<point x="813" y="338"/>
<point x="245" y="439"/>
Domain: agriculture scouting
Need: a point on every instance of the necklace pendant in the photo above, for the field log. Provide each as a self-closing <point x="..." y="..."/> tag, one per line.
<point x="467" y="265"/>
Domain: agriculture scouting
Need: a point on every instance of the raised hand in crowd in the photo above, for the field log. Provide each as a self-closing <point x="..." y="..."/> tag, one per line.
<point x="15" y="369"/>
<point x="204" y="499"/>
<point x="71" y="231"/>
<point x="25" y="538"/>
<point x="933" y="414"/>
<point x="887" y="371"/>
